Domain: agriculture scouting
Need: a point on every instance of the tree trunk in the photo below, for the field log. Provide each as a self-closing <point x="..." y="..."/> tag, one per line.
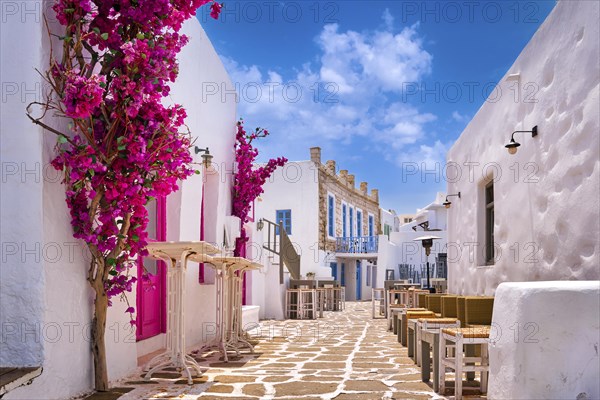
<point x="98" y="345"/>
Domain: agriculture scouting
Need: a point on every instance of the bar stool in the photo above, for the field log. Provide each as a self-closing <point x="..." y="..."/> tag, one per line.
<point x="307" y="305"/>
<point x="456" y="338"/>
<point x="292" y="303"/>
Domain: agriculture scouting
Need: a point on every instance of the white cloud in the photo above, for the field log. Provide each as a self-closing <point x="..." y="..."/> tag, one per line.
<point x="349" y="93"/>
<point x="459" y="117"/>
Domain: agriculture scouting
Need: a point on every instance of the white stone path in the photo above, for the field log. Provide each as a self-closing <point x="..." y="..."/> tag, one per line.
<point x="345" y="355"/>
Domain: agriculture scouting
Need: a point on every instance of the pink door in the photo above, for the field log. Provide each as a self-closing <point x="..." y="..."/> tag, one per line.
<point x="151" y="294"/>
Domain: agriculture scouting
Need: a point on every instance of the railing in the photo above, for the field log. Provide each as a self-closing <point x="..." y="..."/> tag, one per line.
<point x="418" y="272"/>
<point x="283" y="248"/>
<point x="361" y="244"/>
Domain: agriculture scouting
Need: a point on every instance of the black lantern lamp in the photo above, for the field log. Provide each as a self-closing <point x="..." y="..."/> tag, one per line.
<point x="448" y="203"/>
<point x="206" y="157"/>
<point x="513" y="145"/>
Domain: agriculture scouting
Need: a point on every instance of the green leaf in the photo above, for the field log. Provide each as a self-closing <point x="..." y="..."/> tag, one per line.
<point x="150" y="143"/>
<point x="97" y="30"/>
<point x="113" y="272"/>
<point x="122" y="147"/>
<point x="140" y="36"/>
<point x="104" y="36"/>
<point x="62" y="139"/>
<point x="135" y="238"/>
<point x="111" y="261"/>
<point x="69" y="10"/>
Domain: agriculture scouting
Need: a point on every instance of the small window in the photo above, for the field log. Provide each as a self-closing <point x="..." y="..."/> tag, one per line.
<point x="371" y="226"/>
<point x="284" y="216"/>
<point x="331" y="216"/>
<point x="386" y="230"/>
<point x="489" y="224"/>
<point x="368" y="275"/>
<point x="351" y="222"/>
<point x="358" y="223"/>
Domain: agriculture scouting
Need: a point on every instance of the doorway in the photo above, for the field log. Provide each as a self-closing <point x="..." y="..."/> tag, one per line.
<point x="151" y="296"/>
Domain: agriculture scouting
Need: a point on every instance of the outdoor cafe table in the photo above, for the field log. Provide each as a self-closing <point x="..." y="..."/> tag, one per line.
<point x="176" y="255"/>
<point x="229" y="282"/>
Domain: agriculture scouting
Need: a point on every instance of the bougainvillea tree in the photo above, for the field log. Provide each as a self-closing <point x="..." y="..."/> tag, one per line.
<point x="249" y="178"/>
<point x="123" y="146"/>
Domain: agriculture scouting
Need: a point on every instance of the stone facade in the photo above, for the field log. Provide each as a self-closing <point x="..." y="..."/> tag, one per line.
<point x="342" y="186"/>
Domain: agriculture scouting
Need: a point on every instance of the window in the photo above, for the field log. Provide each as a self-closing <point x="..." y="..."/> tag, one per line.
<point x="371" y="226"/>
<point x="407" y="220"/>
<point x="359" y="223"/>
<point x="351" y="222"/>
<point x="489" y="224"/>
<point x="344" y="218"/>
<point x="331" y="216"/>
<point x="368" y="275"/>
<point x="284" y="216"/>
<point x="387" y="229"/>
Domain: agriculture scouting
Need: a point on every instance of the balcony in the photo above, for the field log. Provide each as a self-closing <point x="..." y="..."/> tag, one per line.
<point x="357" y="245"/>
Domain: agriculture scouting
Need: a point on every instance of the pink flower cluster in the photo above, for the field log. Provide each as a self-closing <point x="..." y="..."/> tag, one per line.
<point x="126" y="146"/>
<point x="249" y="179"/>
<point x="82" y="95"/>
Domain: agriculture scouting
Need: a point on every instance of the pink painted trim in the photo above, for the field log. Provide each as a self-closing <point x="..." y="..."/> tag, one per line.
<point x="201" y="269"/>
<point x="161" y="232"/>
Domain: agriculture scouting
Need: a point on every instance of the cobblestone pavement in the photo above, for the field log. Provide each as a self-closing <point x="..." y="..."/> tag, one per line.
<point x="345" y="355"/>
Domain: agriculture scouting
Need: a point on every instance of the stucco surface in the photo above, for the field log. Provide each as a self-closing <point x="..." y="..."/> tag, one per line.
<point x="545" y="196"/>
<point x="546" y="341"/>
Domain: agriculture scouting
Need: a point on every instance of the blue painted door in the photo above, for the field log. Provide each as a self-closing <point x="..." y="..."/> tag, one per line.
<point x="334" y="273"/>
<point x="358" y="280"/>
<point x="343" y="273"/>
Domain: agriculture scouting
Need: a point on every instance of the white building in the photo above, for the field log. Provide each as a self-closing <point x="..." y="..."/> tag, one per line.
<point x="45" y="298"/>
<point x="537" y="209"/>
<point x="526" y="226"/>
<point x="405" y="257"/>
<point x="335" y="226"/>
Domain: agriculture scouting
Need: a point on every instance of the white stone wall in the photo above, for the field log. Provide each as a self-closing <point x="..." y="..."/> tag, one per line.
<point x="44" y="294"/>
<point x="545" y="341"/>
<point x="546" y="216"/>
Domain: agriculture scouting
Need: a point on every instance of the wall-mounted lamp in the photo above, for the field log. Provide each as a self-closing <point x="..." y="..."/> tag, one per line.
<point x="260" y="224"/>
<point x="206" y="157"/>
<point x="512" y="145"/>
<point x="448" y="203"/>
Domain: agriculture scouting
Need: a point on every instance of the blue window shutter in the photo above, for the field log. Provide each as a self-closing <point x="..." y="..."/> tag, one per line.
<point x="331" y="216"/>
<point x="285" y="216"/>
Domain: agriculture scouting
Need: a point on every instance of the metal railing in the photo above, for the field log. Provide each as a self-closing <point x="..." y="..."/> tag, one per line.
<point x="283" y="248"/>
<point x="359" y="244"/>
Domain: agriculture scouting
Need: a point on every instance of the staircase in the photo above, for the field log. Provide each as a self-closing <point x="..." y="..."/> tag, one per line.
<point x="278" y="242"/>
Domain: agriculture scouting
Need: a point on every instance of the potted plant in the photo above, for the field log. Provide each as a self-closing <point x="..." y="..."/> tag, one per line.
<point x="310" y="275"/>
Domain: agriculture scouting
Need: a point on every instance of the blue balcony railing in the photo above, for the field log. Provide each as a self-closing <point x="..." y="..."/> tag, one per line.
<point x="362" y="244"/>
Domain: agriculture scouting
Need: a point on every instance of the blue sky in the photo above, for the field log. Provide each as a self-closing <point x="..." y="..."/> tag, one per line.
<point x="383" y="87"/>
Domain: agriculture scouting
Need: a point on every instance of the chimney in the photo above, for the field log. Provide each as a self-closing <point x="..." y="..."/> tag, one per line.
<point x="375" y="194"/>
<point x="351" y="181"/>
<point x="330" y="165"/>
<point x="315" y="154"/>
<point x="363" y="187"/>
<point x="344" y="175"/>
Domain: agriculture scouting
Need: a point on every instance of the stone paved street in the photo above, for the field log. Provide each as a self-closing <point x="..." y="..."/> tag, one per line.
<point x="345" y="355"/>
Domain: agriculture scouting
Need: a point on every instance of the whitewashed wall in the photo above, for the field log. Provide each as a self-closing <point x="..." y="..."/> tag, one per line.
<point x="295" y="187"/>
<point x="43" y="293"/>
<point x="211" y="120"/>
<point x="546" y="216"/>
